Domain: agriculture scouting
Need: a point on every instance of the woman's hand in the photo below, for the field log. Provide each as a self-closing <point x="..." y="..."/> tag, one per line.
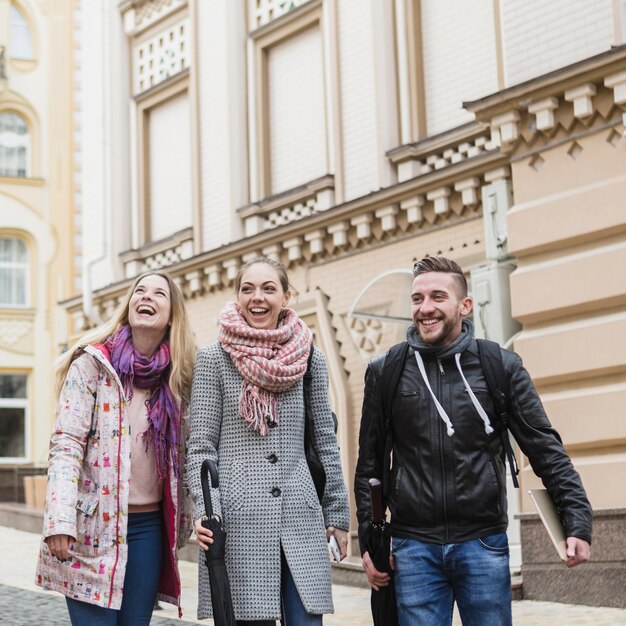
<point x="204" y="535"/>
<point x="342" y="539"/>
<point x="59" y="546"/>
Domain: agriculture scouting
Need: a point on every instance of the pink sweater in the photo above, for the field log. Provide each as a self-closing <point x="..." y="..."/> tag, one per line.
<point x="146" y="490"/>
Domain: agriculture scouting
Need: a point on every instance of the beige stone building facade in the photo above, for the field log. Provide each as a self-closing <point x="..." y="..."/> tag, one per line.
<point x="36" y="223"/>
<point x="348" y="138"/>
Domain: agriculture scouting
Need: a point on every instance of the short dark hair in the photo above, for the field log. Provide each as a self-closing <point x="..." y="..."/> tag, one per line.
<point x="444" y="265"/>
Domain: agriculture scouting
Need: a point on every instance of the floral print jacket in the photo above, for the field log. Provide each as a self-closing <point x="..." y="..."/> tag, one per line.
<point x="88" y="487"/>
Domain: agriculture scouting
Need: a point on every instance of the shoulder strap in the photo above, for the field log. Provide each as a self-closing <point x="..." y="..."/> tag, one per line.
<point x="491" y="360"/>
<point x="306" y="385"/>
<point x="392" y="370"/>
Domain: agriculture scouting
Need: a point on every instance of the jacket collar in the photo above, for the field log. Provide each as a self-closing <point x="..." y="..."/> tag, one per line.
<point x="101" y="354"/>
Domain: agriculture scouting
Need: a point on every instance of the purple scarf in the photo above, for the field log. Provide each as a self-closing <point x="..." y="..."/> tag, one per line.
<point x="164" y="415"/>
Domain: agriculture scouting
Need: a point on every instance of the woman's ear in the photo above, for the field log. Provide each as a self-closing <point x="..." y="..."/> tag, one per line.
<point x="286" y="298"/>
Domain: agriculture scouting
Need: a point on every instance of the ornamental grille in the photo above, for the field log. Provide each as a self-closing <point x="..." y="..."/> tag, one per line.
<point x="264" y="11"/>
<point x="161" y="57"/>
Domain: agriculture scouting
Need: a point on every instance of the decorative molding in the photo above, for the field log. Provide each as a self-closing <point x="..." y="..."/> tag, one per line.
<point x="289" y="206"/>
<point x="158" y="254"/>
<point x="433" y="200"/>
<point x="264" y="12"/>
<point x="441" y="151"/>
<point x="13" y="332"/>
<point x="160" y="57"/>
<point x="139" y="15"/>
<point x="595" y="87"/>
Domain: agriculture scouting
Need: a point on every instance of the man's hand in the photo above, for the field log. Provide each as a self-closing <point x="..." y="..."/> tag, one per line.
<point x="578" y="551"/>
<point x="59" y="546"/>
<point x="376" y="579"/>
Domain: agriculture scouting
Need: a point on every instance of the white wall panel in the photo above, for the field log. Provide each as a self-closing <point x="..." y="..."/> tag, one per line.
<point x="297" y="121"/>
<point x="358" y="98"/>
<point x="170" y="167"/>
<point x="540" y="36"/>
<point x="460" y="60"/>
<point x="223" y="126"/>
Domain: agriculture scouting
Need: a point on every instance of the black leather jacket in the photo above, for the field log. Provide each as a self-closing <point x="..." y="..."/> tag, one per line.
<point x="446" y="489"/>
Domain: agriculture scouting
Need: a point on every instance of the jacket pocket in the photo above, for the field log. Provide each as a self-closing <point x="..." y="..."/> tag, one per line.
<point x="235" y="488"/>
<point x="88" y="525"/>
<point x="87" y="504"/>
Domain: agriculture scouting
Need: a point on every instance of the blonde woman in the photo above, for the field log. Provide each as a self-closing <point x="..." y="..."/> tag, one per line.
<point x="116" y="508"/>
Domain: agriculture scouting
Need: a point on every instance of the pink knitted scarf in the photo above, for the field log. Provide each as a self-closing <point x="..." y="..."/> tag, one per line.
<point x="270" y="360"/>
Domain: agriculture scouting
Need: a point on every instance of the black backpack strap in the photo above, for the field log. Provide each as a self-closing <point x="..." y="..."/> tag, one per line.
<point x="306" y="385"/>
<point x="493" y="367"/>
<point x="392" y="370"/>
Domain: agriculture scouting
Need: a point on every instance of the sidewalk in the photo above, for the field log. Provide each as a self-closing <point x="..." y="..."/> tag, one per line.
<point x="19" y="555"/>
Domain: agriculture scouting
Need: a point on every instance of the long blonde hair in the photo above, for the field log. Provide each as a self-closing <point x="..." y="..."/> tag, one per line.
<point x="180" y="335"/>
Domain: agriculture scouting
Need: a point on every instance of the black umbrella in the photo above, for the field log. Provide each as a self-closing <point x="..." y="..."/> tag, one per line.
<point x="377" y="540"/>
<point x="221" y="599"/>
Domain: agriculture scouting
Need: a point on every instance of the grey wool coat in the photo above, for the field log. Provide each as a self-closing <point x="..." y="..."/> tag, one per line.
<point x="265" y="502"/>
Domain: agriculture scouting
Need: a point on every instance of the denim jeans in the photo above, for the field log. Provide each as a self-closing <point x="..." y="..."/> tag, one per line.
<point x="430" y="577"/>
<point x="141" y="580"/>
<point x="293" y="611"/>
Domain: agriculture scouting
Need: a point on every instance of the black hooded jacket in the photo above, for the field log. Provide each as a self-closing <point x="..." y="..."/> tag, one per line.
<point x="449" y="489"/>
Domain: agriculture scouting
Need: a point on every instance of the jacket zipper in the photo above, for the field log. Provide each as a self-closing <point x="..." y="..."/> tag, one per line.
<point x="441" y="444"/>
<point x="117" y="513"/>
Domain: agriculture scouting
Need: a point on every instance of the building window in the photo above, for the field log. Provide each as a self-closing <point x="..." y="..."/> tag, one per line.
<point x="13" y="272"/>
<point x="169" y="167"/>
<point x="13" y="414"/>
<point x="14" y="145"/>
<point x="21" y="40"/>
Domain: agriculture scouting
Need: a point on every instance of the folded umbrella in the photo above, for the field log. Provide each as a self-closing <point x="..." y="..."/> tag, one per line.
<point x="377" y="540"/>
<point x="221" y="599"/>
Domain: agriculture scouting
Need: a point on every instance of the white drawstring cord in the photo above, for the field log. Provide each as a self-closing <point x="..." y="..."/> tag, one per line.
<point x="481" y="411"/>
<point x="442" y="412"/>
<point x="440" y="409"/>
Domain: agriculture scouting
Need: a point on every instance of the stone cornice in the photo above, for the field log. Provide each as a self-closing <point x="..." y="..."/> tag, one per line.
<point x="593" y="69"/>
<point x="587" y="94"/>
<point x="437" y="143"/>
<point x="416" y="205"/>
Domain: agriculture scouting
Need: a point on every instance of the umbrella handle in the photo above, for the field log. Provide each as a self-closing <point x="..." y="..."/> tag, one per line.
<point x="208" y="468"/>
<point x="376" y="500"/>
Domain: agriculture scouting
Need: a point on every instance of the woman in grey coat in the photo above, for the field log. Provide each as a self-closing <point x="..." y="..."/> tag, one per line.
<point x="247" y="414"/>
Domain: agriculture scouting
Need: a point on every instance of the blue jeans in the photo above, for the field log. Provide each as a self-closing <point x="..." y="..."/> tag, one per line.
<point x="429" y="577"/>
<point x="293" y="611"/>
<point x="143" y="570"/>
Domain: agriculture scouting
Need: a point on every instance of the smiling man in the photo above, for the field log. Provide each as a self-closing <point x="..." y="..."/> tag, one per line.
<point x="447" y="487"/>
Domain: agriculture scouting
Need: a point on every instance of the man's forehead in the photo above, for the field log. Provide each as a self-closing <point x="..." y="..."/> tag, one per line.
<point x="434" y="281"/>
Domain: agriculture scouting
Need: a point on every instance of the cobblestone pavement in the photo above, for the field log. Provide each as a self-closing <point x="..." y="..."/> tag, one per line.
<point x="24" y="604"/>
<point x="19" y="607"/>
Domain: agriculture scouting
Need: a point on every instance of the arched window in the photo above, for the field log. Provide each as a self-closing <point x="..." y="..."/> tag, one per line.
<point x="14" y="145"/>
<point x="21" y="46"/>
<point x="13" y="272"/>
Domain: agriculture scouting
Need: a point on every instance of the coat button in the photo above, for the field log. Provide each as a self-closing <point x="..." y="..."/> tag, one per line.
<point x="272" y="458"/>
<point x="276" y="492"/>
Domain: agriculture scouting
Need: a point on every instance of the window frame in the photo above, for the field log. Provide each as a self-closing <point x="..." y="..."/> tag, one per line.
<point x="260" y="41"/>
<point x="19" y="403"/>
<point x="12" y="265"/>
<point x="26" y="25"/>
<point x="27" y="147"/>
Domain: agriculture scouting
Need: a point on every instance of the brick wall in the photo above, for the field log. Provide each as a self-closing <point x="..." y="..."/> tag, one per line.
<point x="459" y="59"/>
<point x="540" y="36"/>
<point x="358" y="99"/>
